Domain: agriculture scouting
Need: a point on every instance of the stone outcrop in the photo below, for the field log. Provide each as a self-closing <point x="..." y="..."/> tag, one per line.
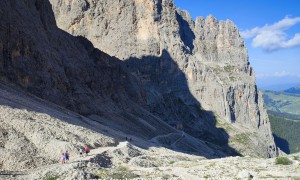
<point x="66" y="70"/>
<point x="194" y="76"/>
<point x="34" y="132"/>
<point x="38" y="57"/>
<point x="184" y="66"/>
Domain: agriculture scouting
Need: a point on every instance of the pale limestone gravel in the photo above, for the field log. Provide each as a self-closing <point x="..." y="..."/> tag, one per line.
<point x="182" y="166"/>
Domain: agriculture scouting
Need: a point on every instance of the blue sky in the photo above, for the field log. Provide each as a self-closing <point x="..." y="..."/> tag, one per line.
<point x="271" y="29"/>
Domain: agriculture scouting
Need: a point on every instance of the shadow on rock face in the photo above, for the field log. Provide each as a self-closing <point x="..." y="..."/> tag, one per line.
<point x="282" y="144"/>
<point x="186" y="33"/>
<point x="147" y="98"/>
<point x="169" y="98"/>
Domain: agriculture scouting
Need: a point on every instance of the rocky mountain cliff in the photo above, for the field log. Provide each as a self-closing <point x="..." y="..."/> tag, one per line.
<point x="176" y="74"/>
<point x="185" y="66"/>
<point x="38" y="57"/>
<point x="68" y="70"/>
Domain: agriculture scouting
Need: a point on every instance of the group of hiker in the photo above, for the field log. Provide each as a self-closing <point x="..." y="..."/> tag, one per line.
<point x="66" y="155"/>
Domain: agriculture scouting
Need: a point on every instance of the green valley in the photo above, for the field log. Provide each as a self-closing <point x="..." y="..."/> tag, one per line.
<point x="282" y="102"/>
<point x="284" y="113"/>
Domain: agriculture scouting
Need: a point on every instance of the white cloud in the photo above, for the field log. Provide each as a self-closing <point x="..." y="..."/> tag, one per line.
<point x="283" y="74"/>
<point x="278" y="74"/>
<point x="273" y="37"/>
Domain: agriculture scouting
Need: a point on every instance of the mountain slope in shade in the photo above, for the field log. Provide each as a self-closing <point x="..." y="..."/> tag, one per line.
<point x="89" y="86"/>
<point x="286" y="132"/>
<point x="171" y="90"/>
<point x="184" y="66"/>
<point x="284" y="113"/>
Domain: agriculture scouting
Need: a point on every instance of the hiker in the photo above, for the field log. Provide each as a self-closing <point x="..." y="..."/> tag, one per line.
<point x="62" y="158"/>
<point x="87" y="150"/>
<point x="66" y="155"/>
<point x="80" y="152"/>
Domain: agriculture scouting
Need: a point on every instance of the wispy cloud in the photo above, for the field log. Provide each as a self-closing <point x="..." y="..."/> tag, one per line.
<point x="278" y="74"/>
<point x="284" y="74"/>
<point x="273" y="37"/>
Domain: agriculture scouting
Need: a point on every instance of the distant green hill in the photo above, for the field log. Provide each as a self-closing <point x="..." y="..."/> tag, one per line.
<point x="293" y="90"/>
<point x="284" y="113"/>
<point x="282" y="102"/>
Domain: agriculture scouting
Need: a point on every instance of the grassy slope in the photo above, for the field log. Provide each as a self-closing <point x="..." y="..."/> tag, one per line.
<point x="286" y="132"/>
<point x="284" y="113"/>
<point x="282" y="102"/>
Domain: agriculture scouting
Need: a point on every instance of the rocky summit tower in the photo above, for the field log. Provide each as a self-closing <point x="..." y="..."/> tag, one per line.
<point x="185" y="66"/>
<point x="138" y="67"/>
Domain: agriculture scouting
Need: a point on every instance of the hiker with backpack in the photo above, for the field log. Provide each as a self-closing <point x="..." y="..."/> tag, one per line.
<point x="80" y="152"/>
<point x="87" y="150"/>
<point x="62" y="158"/>
<point x="66" y="156"/>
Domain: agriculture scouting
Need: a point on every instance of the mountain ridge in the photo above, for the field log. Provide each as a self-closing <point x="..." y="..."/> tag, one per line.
<point x="207" y="56"/>
<point x="161" y="79"/>
<point x="293" y="90"/>
<point x="39" y="58"/>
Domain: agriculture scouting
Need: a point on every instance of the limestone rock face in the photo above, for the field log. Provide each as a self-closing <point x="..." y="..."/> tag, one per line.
<point x="184" y="66"/>
<point x="38" y="57"/>
<point x="49" y="62"/>
<point x="44" y="60"/>
<point x="91" y="19"/>
<point x="194" y="76"/>
<point x="219" y="42"/>
<point x="224" y="82"/>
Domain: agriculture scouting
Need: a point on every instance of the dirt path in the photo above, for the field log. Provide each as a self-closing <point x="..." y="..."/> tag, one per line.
<point x="94" y="152"/>
<point x="59" y="168"/>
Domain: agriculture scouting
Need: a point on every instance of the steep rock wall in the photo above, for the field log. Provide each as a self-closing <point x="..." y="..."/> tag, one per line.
<point x="211" y="56"/>
<point x="38" y="57"/>
<point x="44" y="60"/>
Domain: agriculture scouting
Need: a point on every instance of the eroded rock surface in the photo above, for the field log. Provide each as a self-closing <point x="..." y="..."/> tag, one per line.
<point x="95" y="92"/>
<point x="184" y="65"/>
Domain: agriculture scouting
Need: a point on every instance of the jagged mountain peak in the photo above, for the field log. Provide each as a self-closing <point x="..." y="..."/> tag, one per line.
<point x="175" y="75"/>
<point x="208" y="59"/>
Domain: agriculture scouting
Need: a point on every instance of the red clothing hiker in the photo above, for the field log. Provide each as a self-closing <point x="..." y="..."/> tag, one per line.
<point x="87" y="150"/>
